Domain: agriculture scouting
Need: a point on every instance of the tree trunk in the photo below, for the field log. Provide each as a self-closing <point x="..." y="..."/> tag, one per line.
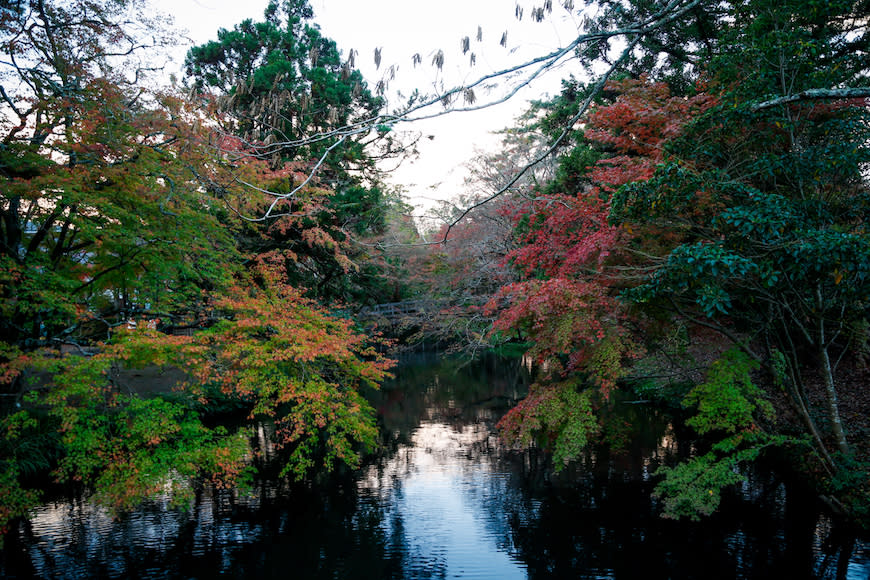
<point x="831" y="399"/>
<point x="798" y="402"/>
<point x="828" y="376"/>
<point x="12" y="226"/>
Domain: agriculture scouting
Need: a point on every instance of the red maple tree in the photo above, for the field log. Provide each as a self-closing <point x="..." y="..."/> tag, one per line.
<point x="568" y="305"/>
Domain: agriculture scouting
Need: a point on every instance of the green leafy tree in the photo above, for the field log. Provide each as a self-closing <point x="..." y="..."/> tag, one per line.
<point x="101" y="219"/>
<point x="731" y="408"/>
<point x="287" y="94"/>
<point x="272" y="354"/>
<point x="99" y="223"/>
<point x="779" y="260"/>
<point x="114" y="232"/>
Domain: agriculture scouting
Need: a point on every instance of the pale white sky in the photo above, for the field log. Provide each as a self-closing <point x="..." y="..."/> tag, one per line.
<point x="401" y="28"/>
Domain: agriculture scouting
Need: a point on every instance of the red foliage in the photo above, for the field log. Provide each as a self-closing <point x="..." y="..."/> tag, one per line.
<point x="636" y="126"/>
<point x="578" y="319"/>
<point x="569" y="236"/>
<point x="569" y="309"/>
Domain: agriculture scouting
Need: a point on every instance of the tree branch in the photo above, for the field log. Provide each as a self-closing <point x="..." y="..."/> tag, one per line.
<point x="814" y="94"/>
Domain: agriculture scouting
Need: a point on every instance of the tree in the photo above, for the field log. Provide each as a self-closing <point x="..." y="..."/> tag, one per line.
<point x="464" y="272"/>
<point x="778" y="262"/>
<point x="285" y="92"/>
<point x="116" y="233"/>
<point x="740" y="208"/>
<point x="94" y="196"/>
<point x="568" y="304"/>
<point x="96" y="182"/>
<point x="285" y="83"/>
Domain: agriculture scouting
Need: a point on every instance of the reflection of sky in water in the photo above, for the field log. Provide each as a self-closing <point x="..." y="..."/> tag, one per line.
<point x="441" y="502"/>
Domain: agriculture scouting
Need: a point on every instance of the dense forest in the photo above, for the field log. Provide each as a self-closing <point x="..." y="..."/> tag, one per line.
<point x="686" y="220"/>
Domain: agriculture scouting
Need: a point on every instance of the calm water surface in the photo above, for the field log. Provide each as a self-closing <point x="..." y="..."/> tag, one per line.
<point x="445" y="500"/>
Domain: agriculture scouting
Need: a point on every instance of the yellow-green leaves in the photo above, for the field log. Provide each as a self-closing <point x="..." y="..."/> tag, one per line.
<point x="727" y="404"/>
<point x="728" y="400"/>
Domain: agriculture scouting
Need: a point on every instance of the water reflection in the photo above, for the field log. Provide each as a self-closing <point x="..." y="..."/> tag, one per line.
<point x="443" y="504"/>
<point x="445" y="500"/>
<point x="445" y="483"/>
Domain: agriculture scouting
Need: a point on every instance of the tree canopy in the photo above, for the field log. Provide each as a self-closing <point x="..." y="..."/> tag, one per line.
<point x="713" y="177"/>
<point x="283" y="90"/>
<point x="124" y="247"/>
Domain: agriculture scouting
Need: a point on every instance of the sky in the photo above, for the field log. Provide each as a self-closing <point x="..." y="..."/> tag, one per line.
<point x="402" y="28"/>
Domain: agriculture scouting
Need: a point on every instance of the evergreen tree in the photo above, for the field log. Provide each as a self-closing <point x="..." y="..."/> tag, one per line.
<point x="288" y="95"/>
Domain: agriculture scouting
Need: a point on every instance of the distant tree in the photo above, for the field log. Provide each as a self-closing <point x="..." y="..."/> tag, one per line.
<point x="464" y="271"/>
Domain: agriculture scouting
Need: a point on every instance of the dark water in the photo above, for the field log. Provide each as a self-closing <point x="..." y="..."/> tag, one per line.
<point x="445" y="500"/>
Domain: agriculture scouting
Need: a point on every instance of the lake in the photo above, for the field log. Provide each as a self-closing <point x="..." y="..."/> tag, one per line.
<point x="445" y="499"/>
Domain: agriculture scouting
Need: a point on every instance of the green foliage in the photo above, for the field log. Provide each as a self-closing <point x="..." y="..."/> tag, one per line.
<point x="288" y="361"/>
<point x="119" y="229"/>
<point x="736" y="200"/>
<point x="729" y="404"/>
<point x="558" y="417"/>
<point x="16" y="499"/>
<point x="512" y="350"/>
<point x="572" y="413"/>
<point x="326" y="423"/>
<point x="728" y="401"/>
<point x="276" y="354"/>
<point x="126" y="448"/>
<point x="851" y="486"/>
<point x="285" y="87"/>
<point x="273" y="353"/>
<point x="672" y="51"/>
<point x="25" y="450"/>
<point x="765" y="204"/>
<point x="572" y="172"/>
<point x="114" y="227"/>
<point x="694" y="488"/>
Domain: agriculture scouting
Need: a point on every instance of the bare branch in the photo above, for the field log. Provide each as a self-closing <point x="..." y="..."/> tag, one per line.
<point x="673" y="10"/>
<point x="297" y="189"/>
<point x="565" y="132"/>
<point x="814" y="94"/>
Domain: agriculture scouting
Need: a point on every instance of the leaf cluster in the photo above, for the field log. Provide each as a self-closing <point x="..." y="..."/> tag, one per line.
<point x="557" y="417"/>
<point x="730" y="405"/>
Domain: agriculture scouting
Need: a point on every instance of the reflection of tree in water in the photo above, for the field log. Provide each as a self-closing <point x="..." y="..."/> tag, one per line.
<point x="453" y="391"/>
<point x="577" y="531"/>
<point x="441" y="478"/>
<point x="327" y="530"/>
<point x="301" y="532"/>
<point x="596" y="519"/>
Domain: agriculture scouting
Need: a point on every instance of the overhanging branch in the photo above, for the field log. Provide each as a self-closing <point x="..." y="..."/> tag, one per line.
<point x="815" y="94"/>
